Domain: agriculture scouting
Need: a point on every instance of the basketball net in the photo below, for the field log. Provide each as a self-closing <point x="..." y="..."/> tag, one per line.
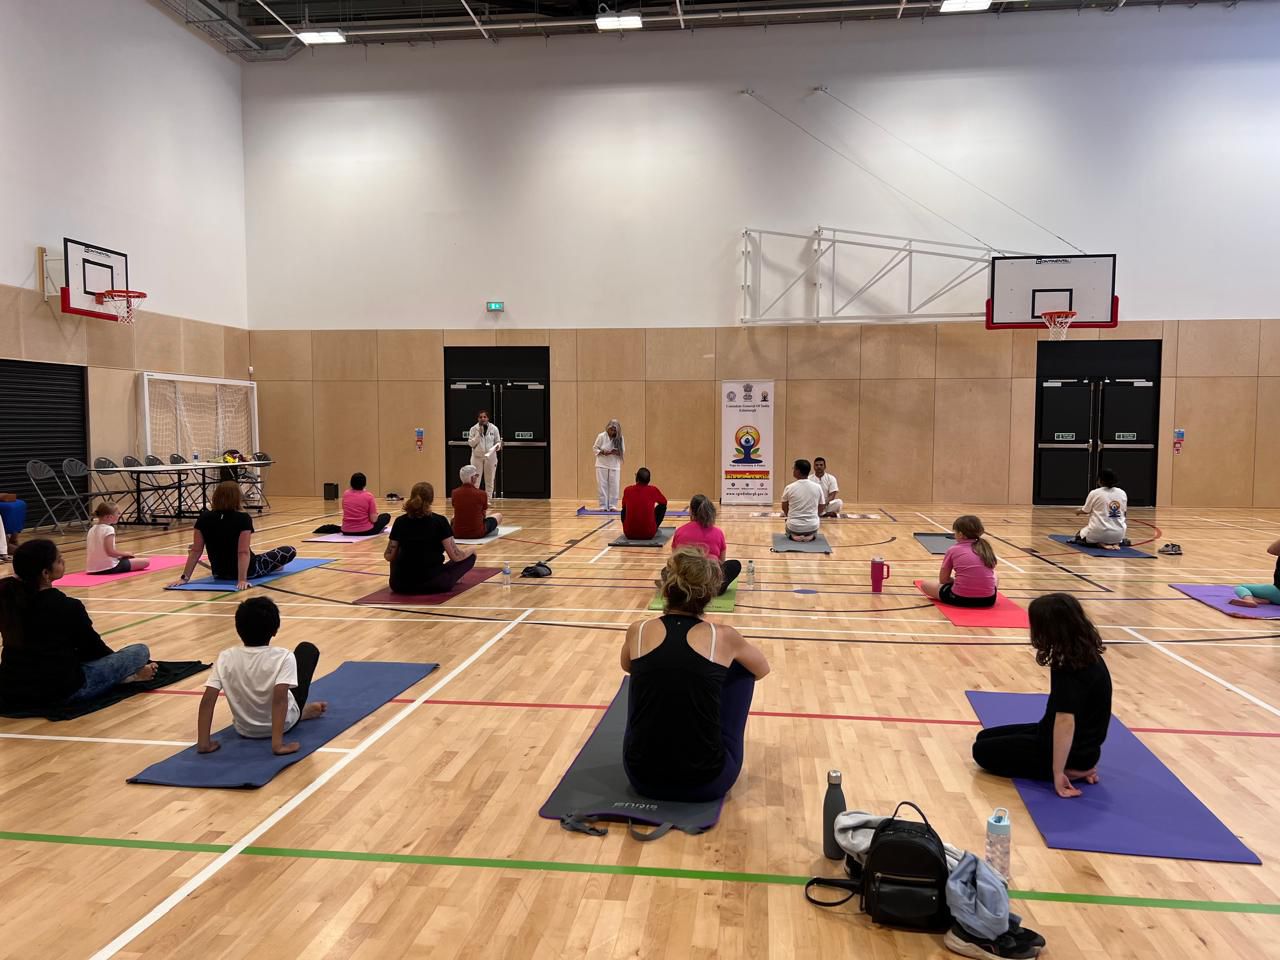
<point x="1058" y="322"/>
<point x="122" y="302"/>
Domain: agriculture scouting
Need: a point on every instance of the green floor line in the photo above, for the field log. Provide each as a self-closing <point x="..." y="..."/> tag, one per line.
<point x="557" y="866"/>
<point x="138" y="623"/>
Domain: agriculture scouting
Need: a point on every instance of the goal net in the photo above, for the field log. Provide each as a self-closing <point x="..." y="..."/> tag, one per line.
<point x="186" y="415"/>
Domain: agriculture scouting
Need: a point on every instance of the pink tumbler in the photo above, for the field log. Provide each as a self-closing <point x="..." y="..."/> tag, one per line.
<point x="879" y="573"/>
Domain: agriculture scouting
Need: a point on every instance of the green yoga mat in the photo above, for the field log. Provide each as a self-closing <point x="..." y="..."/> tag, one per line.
<point x="721" y="604"/>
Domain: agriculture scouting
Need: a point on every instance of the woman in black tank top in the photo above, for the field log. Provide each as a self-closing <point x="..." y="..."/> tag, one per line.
<point x="690" y="691"/>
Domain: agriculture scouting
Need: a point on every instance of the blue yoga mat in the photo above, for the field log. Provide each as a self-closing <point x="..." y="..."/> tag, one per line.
<point x="1138" y="807"/>
<point x="1099" y="551"/>
<point x="295" y="566"/>
<point x="353" y="691"/>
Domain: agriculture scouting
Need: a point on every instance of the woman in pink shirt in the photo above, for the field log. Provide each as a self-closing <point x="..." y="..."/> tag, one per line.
<point x="701" y="531"/>
<point x="360" y="516"/>
<point x="968" y="576"/>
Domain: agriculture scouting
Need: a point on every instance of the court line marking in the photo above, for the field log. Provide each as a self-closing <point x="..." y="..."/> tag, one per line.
<point x="1256" y="701"/>
<point x="600" y="554"/>
<point x="615" y="869"/>
<point x="131" y="742"/>
<point x="934" y="522"/>
<point x="162" y="909"/>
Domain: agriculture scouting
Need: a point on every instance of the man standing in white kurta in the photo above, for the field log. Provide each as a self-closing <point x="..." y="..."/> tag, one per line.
<point x="608" y="449"/>
<point x="485" y="442"/>
<point x="830" y="487"/>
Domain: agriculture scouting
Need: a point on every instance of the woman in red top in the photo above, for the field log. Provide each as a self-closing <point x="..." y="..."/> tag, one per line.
<point x="701" y="531"/>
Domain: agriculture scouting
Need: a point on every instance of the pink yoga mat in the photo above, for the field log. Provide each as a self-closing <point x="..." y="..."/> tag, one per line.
<point x="94" y="580"/>
<point x="1005" y="613"/>
<point x="475" y="576"/>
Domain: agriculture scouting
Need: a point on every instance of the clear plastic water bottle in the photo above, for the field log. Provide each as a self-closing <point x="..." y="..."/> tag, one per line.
<point x="999" y="842"/>
<point x="832" y="806"/>
<point x="751" y="574"/>
<point x="506" y="574"/>
<point x="195" y="456"/>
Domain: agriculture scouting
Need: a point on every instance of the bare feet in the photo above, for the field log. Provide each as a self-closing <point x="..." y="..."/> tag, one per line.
<point x="313" y="710"/>
<point x="1244" y="601"/>
<point x="1088" y="776"/>
<point x="146" y="673"/>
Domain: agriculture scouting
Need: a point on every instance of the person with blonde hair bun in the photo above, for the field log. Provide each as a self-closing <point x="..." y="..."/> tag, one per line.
<point x="691" y="686"/>
<point x="419" y="542"/>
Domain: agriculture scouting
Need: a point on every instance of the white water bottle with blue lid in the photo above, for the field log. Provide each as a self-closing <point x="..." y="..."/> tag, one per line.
<point x="506" y="573"/>
<point x="999" y="841"/>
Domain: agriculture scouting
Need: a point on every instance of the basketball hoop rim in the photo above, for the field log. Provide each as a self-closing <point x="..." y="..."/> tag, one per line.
<point x="106" y="296"/>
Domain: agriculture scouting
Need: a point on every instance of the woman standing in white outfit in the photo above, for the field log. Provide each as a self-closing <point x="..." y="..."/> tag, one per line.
<point x="608" y="449"/>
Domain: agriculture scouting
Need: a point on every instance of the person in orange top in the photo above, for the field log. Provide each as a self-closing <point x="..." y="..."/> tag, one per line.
<point x="643" y="507"/>
<point x="470" y="504"/>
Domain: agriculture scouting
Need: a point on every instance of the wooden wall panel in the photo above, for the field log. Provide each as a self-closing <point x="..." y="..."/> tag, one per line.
<point x="1266" y="462"/>
<point x="11" y="322"/>
<point x="1022" y="430"/>
<point x="751" y="353"/>
<point x="157" y="345"/>
<point x="113" y="421"/>
<point x="280" y="354"/>
<point x="1164" y="441"/>
<point x="1269" y="348"/>
<point x="564" y="355"/>
<point x="832" y="352"/>
<point x="900" y="351"/>
<point x="410" y="355"/>
<point x="1218" y="348"/>
<point x="48" y="334"/>
<point x="203" y="350"/>
<point x="1219" y="415"/>
<point x="470" y="338"/>
<point x="677" y="353"/>
<point x="680" y="438"/>
<point x="895" y="449"/>
<point x="346" y="439"/>
<point x="404" y="405"/>
<point x="344" y="355"/>
<point x="523" y="338"/>
<point x="564" y="439"/>
<point x="285" y="431"/>
<point x="969" y="351"/>
<point x="110" y="344"/>
<point x="235" y="353"/>
<point x="971" y="441"/>
<point x="597" y="403"/>
<point x="1024" y="353"/>
<point x="822" y="421"/>
<point x="605" y="355"/>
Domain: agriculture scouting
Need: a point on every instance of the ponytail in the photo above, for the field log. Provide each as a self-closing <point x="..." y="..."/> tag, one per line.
<point x="420" y="499"/>
<point x="970" y="527"/>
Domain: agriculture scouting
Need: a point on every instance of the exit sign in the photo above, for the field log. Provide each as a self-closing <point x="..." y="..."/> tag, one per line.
<point x="495" y="306"/>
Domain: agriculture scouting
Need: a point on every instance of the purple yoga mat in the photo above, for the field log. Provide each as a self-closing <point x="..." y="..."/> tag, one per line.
<point x="1220" y="597"/>
<point x="1138" y="808"/>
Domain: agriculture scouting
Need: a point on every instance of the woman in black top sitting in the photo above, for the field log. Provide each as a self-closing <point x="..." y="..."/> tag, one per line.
<point x="690" y="692"/>
<point x="1067" y="742"/>
<point x="417" y="547"/>
<point x="225" y="531"/>
<point x="52" y="655"/>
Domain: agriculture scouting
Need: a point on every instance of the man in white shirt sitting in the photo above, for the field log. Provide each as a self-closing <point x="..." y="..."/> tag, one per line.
<point x="1106" y="507"/>
<point x="802" y="504"/>
<point x="830" y="487"/>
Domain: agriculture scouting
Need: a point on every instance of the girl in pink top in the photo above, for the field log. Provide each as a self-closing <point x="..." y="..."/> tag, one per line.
<point x="360" y="516"/>
<point x="701" y="531"/>
<point x="968" y="575"/>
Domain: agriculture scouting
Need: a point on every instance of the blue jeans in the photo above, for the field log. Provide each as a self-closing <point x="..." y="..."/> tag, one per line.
<point x="101" y="675"/>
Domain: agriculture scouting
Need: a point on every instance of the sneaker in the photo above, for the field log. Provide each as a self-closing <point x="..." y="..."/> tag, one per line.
<point x="1025" y="936"/>
<point x="1004" y="947"/>
<point x="1171" y="550"/>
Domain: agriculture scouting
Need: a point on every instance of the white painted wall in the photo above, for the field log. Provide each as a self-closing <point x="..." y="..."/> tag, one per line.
<point x="592" y="181"/>
<point x="166" y="187"/>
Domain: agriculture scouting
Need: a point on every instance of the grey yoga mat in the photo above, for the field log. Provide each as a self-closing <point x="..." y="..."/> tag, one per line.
<point x="784" y="544"/>
<point x="595" y="787"/>
<point x="664" y="534"/>
<point x="936" y="543"/>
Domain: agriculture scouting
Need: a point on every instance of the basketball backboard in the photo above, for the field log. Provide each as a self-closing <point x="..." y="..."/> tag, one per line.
<point x="89" y="270"/>
<point x="1023" y="288"/>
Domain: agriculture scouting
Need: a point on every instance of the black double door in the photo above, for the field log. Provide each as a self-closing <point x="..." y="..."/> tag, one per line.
<point x="1097" y="418"/>
<point x="511" y="383"/>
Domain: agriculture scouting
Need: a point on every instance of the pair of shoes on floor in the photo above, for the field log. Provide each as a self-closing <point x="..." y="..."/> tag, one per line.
<point x="1171" y="550"/>
<point x="1018" y="943"/>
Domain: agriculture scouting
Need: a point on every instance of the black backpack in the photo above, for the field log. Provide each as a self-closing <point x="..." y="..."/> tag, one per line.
<point x="904" y="875"/>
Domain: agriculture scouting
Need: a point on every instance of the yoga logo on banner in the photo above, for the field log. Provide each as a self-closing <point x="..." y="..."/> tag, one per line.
<point x="747" y="442"/>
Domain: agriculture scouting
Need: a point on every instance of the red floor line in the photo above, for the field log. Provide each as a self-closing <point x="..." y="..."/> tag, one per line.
<point x="872" y="718"/>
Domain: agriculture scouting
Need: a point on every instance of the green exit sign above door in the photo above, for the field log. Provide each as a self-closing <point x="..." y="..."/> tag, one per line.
<point x="495" y="306"/>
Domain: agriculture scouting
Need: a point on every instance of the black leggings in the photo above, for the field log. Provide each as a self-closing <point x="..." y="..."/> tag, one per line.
<point x="948" y="595"/>
<point x="378" y="526"/>
<point x="442" y="581"/>
<point x="261" y="564"/>
<point x="1022" y="750"/>
<point x="307" y="656"/>
<point x="730" y="569"/>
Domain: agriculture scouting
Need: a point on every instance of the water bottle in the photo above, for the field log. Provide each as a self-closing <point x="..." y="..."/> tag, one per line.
<point x="751" y="574"/>
<point x="195" y="456"/>
<point x="832" y="806"/>
<point x="999" y="841"/>
<point x="879" y="574"/>
<point x="506" y="574"/>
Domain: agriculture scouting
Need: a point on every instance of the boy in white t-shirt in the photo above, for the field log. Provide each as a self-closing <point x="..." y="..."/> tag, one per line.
<point x="266" y="686"/>
<point x="802" y="503"/>
<point x="101" y="555"/>
<point x="1106" y="507"/>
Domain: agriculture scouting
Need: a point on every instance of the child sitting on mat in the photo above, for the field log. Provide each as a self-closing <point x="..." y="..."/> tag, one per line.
<point x="1066" y="744"/>
<point x="968" y="575"/>
<point x="360" y="516"/>
<point x="691" y="687"/>
<point x="266" y="686"/>
<point x="1105" y="507"/>
<point x="102" y="557"/>
<point x="226" y="532"/>
<point x="1253" y="594"/>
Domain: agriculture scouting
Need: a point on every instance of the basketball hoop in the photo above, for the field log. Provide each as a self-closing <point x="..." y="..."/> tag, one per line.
<point x="1058" y="322"/>
<point x="124" y="301"/>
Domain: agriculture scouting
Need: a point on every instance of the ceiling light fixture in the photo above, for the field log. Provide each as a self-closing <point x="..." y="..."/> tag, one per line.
<point x="313" y="37"/>
<point x="608" y="19"/>
<point x="965" y="6"/>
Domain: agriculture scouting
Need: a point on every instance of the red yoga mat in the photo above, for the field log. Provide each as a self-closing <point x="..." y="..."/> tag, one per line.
<point x="474" y="576"/>
<point x="1005" y="613"/>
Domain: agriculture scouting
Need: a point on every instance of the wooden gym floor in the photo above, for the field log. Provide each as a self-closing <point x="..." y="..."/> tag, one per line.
<point x="419" y="836"/>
